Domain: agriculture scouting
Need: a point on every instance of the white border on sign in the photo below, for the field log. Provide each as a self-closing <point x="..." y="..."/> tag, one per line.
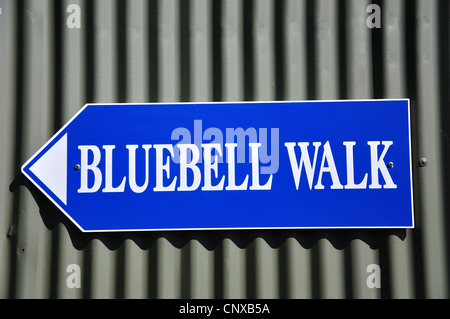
<point x="227" y="228"/>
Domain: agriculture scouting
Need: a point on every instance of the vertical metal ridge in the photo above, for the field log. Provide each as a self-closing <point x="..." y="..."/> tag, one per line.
<point x="9" y="129"/>
<point x="311" y="65"/>
<point x="248" y="47"/>
<point x="32" y="237"/>
<point x="89" y="49"/>
<point x="394" y="264"/>
<point x="153" y="18"/>
<point x="328" y="263"/>
<point x="444" y="79"/>
<point x="201" y="272"/>
<point x="359" y="85"/>
<point x="137" y="61"/>
<point x="17" y="13"/>
<point x="377" y="54"/>
<point x="342" y="37"/>
<point x="168" y="270"/>
<point x="264" y="281"/>
<point x="216" y="49"/>
<point x="298" y="270"/>
<point x="120" y="28"/>
<point x="233" y="53"/>
<point x="429" y="146"/>
<point x="234" y="267"/>
<point x="184" y="52"/>
<point x="52" y="92"/>
<point x="263" y="53"/>
<point x="168" y="49"/>
<point x="201" y="72"/>
<point x="296" y="50"/>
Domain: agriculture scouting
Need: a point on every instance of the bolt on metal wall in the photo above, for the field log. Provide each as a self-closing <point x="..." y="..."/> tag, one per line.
<point x="57" y="55"/>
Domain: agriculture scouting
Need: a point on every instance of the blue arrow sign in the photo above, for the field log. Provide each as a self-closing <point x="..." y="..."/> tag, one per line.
<point x="240" y="165"/>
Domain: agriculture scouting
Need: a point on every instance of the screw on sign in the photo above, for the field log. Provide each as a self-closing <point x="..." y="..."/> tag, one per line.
<point x="423" y="162"/>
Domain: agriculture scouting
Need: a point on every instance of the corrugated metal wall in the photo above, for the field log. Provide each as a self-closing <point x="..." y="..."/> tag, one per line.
<point x="220" y="50"/>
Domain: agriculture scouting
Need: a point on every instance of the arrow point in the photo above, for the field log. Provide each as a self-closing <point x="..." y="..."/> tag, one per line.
<point x="51" y="169"/>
